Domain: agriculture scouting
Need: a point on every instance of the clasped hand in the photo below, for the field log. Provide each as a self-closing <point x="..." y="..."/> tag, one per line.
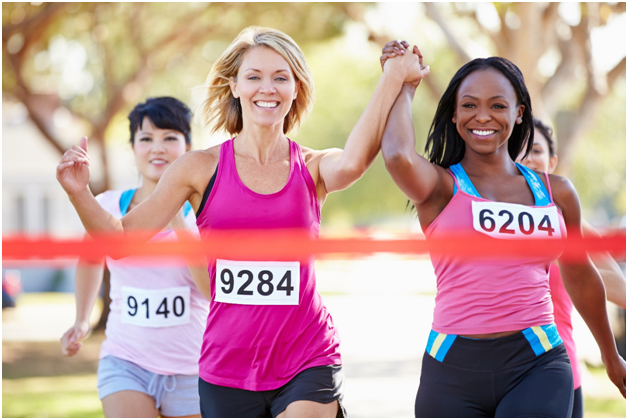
<point x="409" y="63"/>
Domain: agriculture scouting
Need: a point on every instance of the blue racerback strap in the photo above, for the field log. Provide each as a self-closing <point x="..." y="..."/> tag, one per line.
<point x="463" y="180"/>
<point x="541" y="196"/>
<point x="127" y="196"/>
<point x="125" y="200"/>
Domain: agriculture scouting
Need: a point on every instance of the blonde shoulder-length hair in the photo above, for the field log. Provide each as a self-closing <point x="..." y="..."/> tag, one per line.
<point x="221" y="110"/>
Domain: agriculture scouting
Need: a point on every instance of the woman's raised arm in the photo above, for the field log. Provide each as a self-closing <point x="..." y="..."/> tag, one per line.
<point x="151" y="215"/>
<point x="414" y="175"/>
<point x="339" y="169"/>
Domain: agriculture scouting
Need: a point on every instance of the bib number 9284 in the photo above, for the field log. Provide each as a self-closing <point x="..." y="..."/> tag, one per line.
<point x="258" y="282"/>
<point x="508" y="220"/>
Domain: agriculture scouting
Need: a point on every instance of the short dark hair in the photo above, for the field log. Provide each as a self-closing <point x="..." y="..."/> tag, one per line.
<point x="548" y="135"/>
<point x="444" y="145"/>
<point x="165" y="112"/>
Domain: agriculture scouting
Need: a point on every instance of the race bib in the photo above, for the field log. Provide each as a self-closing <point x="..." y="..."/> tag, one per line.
<point x="507" y="220"/>
<point x="155" y="307"/>
<point x="258" y="282"/>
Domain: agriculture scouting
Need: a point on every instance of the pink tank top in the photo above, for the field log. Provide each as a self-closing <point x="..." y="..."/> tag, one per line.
<point x="157" y="313"/>
<point x="562" y="314"/>
<point x="260" y="332"/>
<point x="488" y="296"/>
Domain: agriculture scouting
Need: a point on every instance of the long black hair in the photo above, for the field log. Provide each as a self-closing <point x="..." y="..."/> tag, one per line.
<point x="165" y="112"/>
<point x="444" y="145"/>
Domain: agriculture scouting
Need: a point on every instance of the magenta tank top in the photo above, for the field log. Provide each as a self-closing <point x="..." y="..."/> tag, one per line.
<point x="264" y="326"/>
<point x="486" y="295"/>
<point x="563" y="307"/>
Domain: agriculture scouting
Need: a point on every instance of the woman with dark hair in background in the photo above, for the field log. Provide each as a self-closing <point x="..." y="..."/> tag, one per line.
<point x="148" y="360"/>
<point x="544" y="159"/>
<point x="494" y="350"/>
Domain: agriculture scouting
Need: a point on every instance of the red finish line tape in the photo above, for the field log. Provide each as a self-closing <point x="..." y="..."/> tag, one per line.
<point x="282" y="245"/>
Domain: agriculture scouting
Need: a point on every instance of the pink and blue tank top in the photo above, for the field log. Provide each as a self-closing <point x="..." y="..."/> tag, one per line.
<point x="157" y="313"/>
<point x="563" y="307"/>
<point x="267" y="322"/>
<point x="489" y="295"/>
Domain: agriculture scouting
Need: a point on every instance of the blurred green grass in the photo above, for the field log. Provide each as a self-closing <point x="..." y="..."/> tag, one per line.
<point x="604" y="408"/>
<point x="72" y="396"/>
<point x="75" y="396"/>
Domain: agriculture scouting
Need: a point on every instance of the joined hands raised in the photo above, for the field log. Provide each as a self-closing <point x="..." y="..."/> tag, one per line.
<point x="411" y="59"/>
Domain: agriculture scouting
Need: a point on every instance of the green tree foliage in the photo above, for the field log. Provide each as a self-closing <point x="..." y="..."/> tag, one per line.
<point x="96" y="60"/>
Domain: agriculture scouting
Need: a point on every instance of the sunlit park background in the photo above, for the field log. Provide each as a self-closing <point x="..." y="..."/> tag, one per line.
<point x="74" y="69"/>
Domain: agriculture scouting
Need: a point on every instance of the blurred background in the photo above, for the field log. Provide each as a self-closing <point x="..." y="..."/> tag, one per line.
<point x="74" y="69"/>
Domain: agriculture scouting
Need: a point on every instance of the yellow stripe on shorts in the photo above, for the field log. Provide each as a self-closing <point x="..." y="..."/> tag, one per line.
<point x="538" y="331"/>
<point x="437" y="343"/>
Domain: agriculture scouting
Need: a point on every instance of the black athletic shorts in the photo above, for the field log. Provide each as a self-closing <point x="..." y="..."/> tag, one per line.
<point x="578" y="404"/>
<point x="526" y="374"/>
<point x="322" y="384"/>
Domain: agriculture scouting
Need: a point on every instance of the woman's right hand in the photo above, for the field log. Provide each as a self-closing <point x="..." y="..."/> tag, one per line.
<point x="71" y="341"/>
<point x="73" y="171"/>
<point x="392" y="50"/>
<point x="412" y="64"/>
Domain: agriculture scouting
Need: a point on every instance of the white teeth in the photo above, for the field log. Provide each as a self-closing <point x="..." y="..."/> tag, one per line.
<point x="157" y="161"/>
<point x="266" y="104"/>
<point x="483" y="132"/>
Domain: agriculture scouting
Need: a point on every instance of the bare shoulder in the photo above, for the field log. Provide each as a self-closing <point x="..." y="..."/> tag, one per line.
<point x="562" y="188"/>
<point x="566" y="198"/>
<point x="196" y="167"/>
<point x="312" y="156"/>
<point x="199" y="160"/>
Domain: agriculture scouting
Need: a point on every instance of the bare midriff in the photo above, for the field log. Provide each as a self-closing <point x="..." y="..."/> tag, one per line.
<point x="491" y="335"/>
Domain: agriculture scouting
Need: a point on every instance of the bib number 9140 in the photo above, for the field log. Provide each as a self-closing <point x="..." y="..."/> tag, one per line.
<point x="508" y="220"/>
<point x="155" y="307"/>
<point x="258" y="282"/>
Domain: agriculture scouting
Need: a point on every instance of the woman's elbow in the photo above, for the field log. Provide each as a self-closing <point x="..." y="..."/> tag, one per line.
<point x="354" y="170"/>
<point x="395" y="158"/>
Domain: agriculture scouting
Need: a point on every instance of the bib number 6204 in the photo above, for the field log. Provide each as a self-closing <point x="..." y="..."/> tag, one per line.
<point x="508" y="220"/>
<point x="257" y="282"/>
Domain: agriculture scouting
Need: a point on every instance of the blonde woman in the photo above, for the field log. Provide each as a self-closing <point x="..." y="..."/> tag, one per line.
<point x="270" y="347"/>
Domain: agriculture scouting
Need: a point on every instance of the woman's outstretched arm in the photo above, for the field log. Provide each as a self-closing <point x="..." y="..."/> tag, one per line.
<point x="339" y="169"/>
<point x="585" y="287"/>
<point x="149" y="217"/>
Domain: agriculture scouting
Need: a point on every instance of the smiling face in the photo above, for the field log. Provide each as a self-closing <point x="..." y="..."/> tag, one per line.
<point x="487" y="110"/>
<point x="156" y="148"/>
<point x="266" y="87"/>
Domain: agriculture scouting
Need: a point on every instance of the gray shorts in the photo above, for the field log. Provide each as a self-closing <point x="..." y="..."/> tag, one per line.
<point x="174" y="395"/>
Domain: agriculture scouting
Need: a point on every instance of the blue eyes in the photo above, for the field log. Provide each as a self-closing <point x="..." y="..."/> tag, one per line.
<point x="279" y="79"/>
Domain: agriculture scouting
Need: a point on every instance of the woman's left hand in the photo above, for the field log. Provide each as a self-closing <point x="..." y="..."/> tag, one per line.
<point x="616" y="371"/>
<point x="416" y="70"/>
<point x="392" y="50"/>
